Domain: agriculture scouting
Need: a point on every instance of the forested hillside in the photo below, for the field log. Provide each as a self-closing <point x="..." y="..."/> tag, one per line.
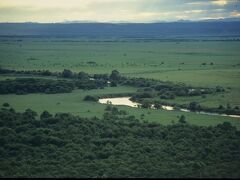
<point x="118" y="145"/>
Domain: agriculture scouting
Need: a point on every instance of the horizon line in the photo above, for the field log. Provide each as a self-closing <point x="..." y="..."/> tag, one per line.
<point x="126" y="22"/>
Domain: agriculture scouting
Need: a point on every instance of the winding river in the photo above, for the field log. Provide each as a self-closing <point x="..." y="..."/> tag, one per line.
<point x="125" y="101"/>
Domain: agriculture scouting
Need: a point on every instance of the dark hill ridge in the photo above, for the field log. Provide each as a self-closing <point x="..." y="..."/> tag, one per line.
<point x="127" y="30"/>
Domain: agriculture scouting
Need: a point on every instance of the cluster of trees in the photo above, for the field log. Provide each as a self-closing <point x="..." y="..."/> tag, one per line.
<point x="151" y="87"/>
<point x="88" y="84"/>
<point x="29" y="72"/>
<point x="194" y="106"/>
<point x="169" y="91"/>
<point x="91" y="98"/>
<point x="66" y="73"/>
<point x="80" y="80"/>
<point x="165" y="90"/>
<point x="49" y="86"/>
<point x="118" y="145"/>
<point x="34" y="85"/>
<point x="178" y="89"/>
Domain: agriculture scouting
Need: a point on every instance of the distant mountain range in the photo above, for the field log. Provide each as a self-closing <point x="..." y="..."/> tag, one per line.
<point x="181" y="20"/>
<point x="182" y="28"/>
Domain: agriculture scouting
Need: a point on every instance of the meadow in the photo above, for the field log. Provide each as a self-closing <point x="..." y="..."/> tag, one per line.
<point x="73" y="103"/>
<point x="194" y="62"/>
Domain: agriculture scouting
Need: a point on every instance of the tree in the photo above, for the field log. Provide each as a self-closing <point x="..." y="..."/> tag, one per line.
<point x="30" y="114"/>
<point x="91" y="98"/>
<point x="182" y="119"/>
<point x="115" y="75"/>
<point x="83" y="76"/>
<point x="220" y="107"/>
<point x="46" y="73"/>
<point x="157" y="105"/>
<point x="108" y="108"/>
<point x="6" y="105"/>
<point x="146" y="105"/>
<point x="45" y="115"/>
<point x="229" y="106"/>
<point x="219" y="89"/>
<point x="113" y="84"/>
<point x="193" y="106"/>
<point x="67" y="73"/>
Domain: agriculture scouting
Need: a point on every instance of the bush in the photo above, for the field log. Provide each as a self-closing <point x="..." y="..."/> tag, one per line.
<point x="182" y="119"/>
<point x="194" y="106"/>
<point x="67" y="73"/>
<point x="90" y="98"/>
<point x="45" y="115"/>
<point x="6" y="105"/>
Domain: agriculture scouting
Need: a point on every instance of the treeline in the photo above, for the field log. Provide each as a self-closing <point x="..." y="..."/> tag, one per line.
<point x="196" y="107"/>
<point x="191" y="106"/>
<point x="26" y="72"/>
<point x="167" y="90"/>
<point x="33" y="85"/>
<point x="64" y="74"/>
<point x="118" y="145"/>
<point x="49" y="86"/>
<point x="149" y="88"/>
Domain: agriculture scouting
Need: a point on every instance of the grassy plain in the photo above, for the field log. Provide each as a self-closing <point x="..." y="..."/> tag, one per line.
<point x="73" y="103"/>
<point x="129" y="57"/>
<point x="198" y="63"/>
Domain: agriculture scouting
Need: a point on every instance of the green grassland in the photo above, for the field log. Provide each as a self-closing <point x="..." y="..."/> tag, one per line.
<point x="177" y="61"/>
<point x="130" y="57"/>
<point x="73" y="103"/>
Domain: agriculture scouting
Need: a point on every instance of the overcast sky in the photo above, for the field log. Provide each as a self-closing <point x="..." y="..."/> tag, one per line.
<point x="116" y="10"/>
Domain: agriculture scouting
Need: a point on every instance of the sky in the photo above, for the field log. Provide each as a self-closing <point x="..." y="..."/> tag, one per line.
<point x="52" y="11"/>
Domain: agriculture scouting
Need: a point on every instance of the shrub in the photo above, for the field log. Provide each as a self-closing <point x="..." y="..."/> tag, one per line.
<point x="90" y="98"/>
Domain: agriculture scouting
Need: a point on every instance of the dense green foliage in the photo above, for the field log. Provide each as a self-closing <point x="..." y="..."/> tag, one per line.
<point x="91" y="98"/>
<point x="48" y="86"/>
<point x="150" y="87"/>
<point x="34" y="85"/>
<point x="115" y="146"/>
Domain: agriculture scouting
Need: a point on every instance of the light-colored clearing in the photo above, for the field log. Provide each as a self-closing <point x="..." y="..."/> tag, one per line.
<point x="119" y="101"/>
<point x="169" y="108"/>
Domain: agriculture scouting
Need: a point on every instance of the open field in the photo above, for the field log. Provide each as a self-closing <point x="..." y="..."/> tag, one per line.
<point x="128" y="57"/>
<point x="73" y="103"/>
<point x="198" y="63"/>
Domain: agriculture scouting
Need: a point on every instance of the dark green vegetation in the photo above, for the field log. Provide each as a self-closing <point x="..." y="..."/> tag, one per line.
<point x="117" y="145"/>
<point x="48" y="86"/>
<point x="32" y="85"/>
